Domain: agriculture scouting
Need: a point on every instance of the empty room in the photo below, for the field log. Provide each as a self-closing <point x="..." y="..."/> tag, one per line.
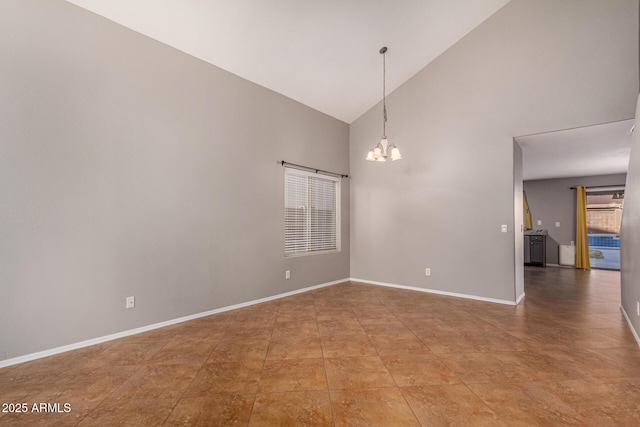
<point x="197" y="227"/>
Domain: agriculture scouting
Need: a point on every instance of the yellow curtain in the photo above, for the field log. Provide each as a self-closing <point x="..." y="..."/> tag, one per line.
<point x="582" y="241"/>
<point x="527" y="213"/>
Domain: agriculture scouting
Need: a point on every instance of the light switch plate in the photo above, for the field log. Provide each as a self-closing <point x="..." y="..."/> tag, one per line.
<point x="504" y="228"/>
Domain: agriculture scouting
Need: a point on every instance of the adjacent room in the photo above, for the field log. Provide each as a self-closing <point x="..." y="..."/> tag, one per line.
<point x="555" y="164"/>
<point x="315" y="213"/>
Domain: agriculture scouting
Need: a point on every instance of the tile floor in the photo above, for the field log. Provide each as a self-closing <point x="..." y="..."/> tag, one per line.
<point x="357" y="354"/>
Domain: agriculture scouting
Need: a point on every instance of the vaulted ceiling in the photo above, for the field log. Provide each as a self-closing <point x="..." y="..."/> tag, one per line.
<point x="323" y="54"/>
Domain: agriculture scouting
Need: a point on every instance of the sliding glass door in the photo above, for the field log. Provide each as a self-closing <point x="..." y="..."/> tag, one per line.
<point x="604" y="215"/>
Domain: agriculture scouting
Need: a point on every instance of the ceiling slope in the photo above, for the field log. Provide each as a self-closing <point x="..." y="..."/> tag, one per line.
<point x="323" y="54"/>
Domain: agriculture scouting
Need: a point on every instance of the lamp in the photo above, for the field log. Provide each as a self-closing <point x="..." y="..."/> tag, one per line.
<point x="384" y="148"/>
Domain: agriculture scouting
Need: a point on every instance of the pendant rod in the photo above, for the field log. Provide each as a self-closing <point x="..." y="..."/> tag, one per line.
<point x="383" y="51"/>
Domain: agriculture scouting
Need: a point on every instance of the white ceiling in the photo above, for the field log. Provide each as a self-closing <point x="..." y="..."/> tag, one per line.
<point x="322" y="53"/>
<point x="586" y="151"/>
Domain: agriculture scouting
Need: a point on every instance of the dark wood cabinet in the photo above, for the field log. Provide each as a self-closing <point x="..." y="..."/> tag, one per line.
<point x="535" y="249"/>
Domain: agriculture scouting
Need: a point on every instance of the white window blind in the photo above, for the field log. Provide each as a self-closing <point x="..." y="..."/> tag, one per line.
<point x="311" y="213"/>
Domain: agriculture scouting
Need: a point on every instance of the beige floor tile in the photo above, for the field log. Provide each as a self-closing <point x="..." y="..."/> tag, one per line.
<point x="303" y="408"/>
<point x="537" y="366"/>
<point x="396" y="344"/>
<point x="419" y="369"/>
<point x="449" y="405"/>
<point x="217" y="410"/>
<point x="157" y="382"/>
<point x="293" y="375"/>
<point x="371" y="407"/>
<point x="295" y="348"/>
<point x="240" y="348"/>
<point x="132" y="412"/>
<point x="481" y="368"/>
<point x="357" y="372"/>
<point x="611" y="402"/>
<point x="227" y="377"/>
<point x="347" y="346"/>
<point x="339" y="327"/>
<point x="185" y="350"/>
<point x="526" y="403"/>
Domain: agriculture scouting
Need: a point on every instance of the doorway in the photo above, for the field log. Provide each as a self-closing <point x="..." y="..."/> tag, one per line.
<point x="604" y="216"/>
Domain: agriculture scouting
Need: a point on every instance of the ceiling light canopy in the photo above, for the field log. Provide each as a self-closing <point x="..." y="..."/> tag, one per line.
<point x="384" y="149"/>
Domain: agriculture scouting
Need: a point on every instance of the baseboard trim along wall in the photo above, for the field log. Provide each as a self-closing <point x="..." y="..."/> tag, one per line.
<point x="434" y="291"/>
<point x="633" y="331"/>
<point x="520" y="298"/>
<point x="87" y="343"/>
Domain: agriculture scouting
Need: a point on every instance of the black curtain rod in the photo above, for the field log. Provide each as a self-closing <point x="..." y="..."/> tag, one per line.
<point x="307" y="168"/>
<point x="600" y="186"/>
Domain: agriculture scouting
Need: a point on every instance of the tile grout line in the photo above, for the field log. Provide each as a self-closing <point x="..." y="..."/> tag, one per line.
<point x="140" y="367"/>
<point x="264" y="362"/>
<point x="194" y="378"/>
<point x="387" y="368"/>
<point x="483" y="401"/>
<point x="324" y="364"/>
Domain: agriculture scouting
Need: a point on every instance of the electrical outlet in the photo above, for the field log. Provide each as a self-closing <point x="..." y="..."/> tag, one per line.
<point x="287" y="274"/>
<point x="131" y="302"/>
<point x="427" y="271"/>
<point x="539" y="222"/>
<point x="558" y="224"/>
<point x="504" y="228"/>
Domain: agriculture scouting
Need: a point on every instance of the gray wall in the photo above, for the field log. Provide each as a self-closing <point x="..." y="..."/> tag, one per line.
<point x="534" y="66"/>
<point x="630" y="234"/>
<point x="130" y="168"/>
<point x="552" y="200"/>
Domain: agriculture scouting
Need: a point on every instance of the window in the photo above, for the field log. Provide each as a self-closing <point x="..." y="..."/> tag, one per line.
<point x="311" y="213"/>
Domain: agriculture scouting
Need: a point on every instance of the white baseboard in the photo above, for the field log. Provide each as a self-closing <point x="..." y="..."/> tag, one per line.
<point x="87" y="343"/>
<point x="434" y="291"/>
<point x="633" y="331"/>
<point x="562" y="265"/>
<point x="519" y="299"/>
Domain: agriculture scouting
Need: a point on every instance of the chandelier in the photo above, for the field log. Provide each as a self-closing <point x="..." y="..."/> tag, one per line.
<point x="384" y="148"/>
